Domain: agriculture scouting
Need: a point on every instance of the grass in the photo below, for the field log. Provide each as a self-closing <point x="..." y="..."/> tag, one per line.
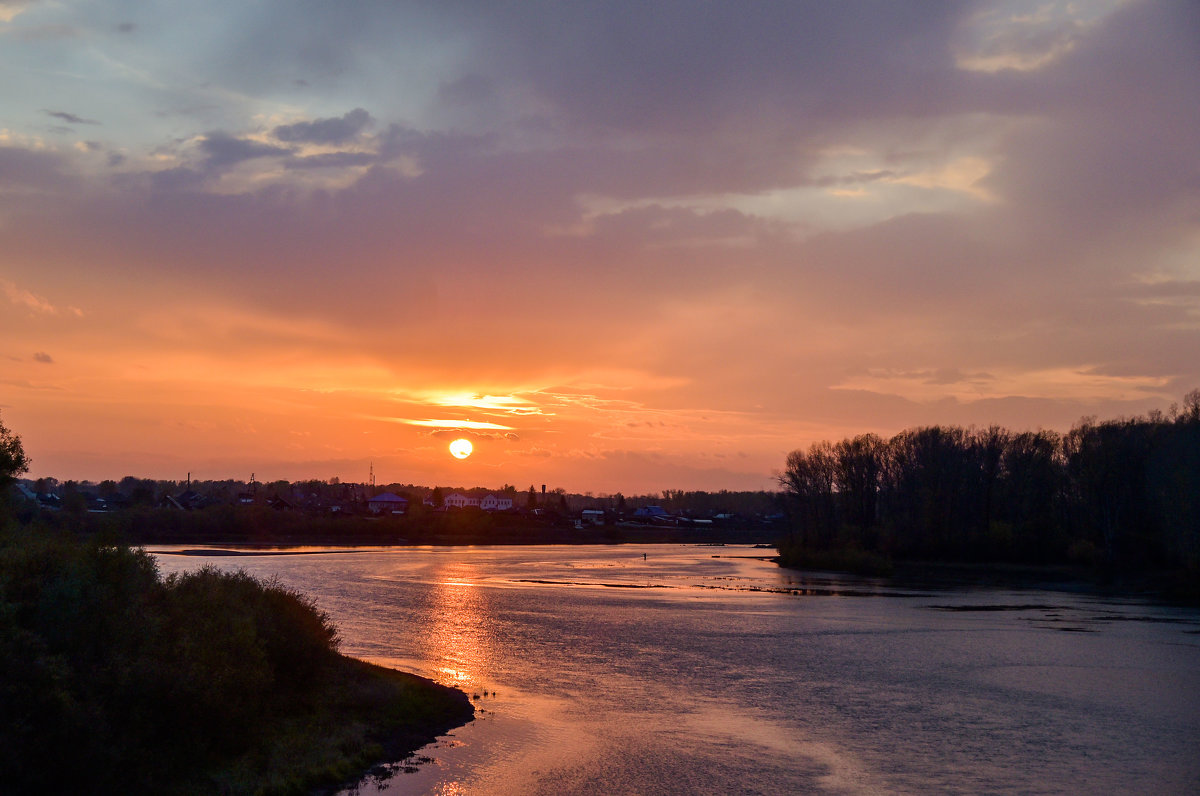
<point x="850" y="559"/>
<point x="364" y="716"/>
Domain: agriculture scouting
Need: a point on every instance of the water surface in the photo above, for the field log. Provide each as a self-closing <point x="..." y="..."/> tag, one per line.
<point x="700" y="669"/>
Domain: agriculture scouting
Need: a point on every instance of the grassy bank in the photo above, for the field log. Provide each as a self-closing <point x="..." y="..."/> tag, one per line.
<point x="1166" y="585"/>
<point x="846" y="558"/>
<point x="115" y="680"/>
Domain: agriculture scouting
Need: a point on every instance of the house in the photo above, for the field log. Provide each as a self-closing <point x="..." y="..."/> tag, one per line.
<point x="279" y="504"/>
<point x="592" y="516"/>
<point x="493" y="503"/>
<point x="459" y="501"/>
<point x="189" y="499"/>
<point x="171" y="502"/>
<point x="387" y="503"/>
<point x="650" y="512"/>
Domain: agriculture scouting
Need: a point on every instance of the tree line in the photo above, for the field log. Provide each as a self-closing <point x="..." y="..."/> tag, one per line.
<point x="1120" y="494"/>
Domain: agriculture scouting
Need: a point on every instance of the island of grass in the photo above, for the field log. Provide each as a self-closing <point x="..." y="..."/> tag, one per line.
<point x="116" y="680"/>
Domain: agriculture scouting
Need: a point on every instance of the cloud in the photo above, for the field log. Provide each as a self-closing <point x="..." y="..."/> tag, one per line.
<point x="451" y="424"/>
<point x="332" y="160"/>
<point x="43" y="357"/>
<point x="70" y="118"/>
<point x="222" y="149"/>
<point x="742" y="227"/>
<point x="33" y="169"/>
<point x="30" y="301"/>
<point x="325" y="131"/>
<point x="9" y="9"/>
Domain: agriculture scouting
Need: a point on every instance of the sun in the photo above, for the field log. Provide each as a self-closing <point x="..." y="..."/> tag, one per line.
<point x="461" y="448"/>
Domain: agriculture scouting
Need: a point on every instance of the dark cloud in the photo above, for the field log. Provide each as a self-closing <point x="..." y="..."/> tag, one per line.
<point x="70" y="118"/>
<point x="325" y="131"/>
<point x="672" y="66"/>
<point x="856" y="178"/>
<point x="126" y="27"/>
<point x="44" y="170"/>
<point x="43" y="357"/>
<point x="475" y="434"/>
<point x="333" y="160"/>
<point x="177" y="180"/>
<point x="221" y="149"/>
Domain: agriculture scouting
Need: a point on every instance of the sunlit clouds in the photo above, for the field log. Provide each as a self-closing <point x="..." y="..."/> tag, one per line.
<point x="616" y="246"/>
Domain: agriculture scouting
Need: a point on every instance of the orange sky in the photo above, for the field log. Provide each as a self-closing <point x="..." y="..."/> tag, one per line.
<point x="617" y="247"/>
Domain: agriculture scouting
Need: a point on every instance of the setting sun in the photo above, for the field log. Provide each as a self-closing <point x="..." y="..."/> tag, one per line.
<point x="461" y="448"/>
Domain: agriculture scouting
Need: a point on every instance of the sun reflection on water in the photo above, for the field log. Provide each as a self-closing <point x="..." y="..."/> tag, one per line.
<point x="460" y="634"/>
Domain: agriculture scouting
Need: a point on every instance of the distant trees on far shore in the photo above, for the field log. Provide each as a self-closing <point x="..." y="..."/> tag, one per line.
<point x="1117" y="494"/>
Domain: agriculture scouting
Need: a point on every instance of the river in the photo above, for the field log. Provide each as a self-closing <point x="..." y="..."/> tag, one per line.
<point x="670" y="669"/>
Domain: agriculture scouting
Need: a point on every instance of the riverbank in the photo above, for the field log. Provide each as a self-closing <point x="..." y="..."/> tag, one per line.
<point x="116" y="680"/>
<point x="1158" y="585"/>
<point x="368" y="715"/>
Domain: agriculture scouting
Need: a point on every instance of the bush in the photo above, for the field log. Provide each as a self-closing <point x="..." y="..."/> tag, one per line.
<point x="113" y="676"/>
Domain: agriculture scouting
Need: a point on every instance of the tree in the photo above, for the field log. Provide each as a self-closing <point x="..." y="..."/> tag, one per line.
<point x="808" y="482"/>
<point x="859" y="468"/>
<point x="13" y="461"/>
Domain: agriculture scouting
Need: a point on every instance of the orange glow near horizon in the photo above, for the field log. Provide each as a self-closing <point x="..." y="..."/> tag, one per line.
<point x="295" y="280"/>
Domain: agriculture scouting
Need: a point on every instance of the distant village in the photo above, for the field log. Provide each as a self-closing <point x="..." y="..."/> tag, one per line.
<point x="334" y="498"/>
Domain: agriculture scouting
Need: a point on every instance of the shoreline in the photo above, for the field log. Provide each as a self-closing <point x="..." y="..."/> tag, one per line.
<point x="1156" y="586"/>
<point x="388" y="746"/>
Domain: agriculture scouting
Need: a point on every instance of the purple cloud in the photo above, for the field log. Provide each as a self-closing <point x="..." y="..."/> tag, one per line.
<point x="222" y="149"/>
<point x="325" y="131"/>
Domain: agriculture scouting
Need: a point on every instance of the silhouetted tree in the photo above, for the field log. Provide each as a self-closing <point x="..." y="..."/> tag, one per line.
<point x="13" y="461"/>
<point x="808" y="481"/>
<point x="1125" y="493"/>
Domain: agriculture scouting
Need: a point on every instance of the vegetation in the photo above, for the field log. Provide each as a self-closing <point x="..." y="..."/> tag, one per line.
<point x="13" y="460"/>
<point x="1120" y="496"/>
<point x="113" y="679"/>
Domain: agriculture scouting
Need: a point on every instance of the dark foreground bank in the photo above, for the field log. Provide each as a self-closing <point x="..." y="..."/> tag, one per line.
<point x="115" y="680"/>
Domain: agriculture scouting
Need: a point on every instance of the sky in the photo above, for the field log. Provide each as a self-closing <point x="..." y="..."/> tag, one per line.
<point x="620" y="246"/>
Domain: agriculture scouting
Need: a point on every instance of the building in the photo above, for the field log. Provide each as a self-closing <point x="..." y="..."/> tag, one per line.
<point x="387" y="503"/>
<point x="493" y="503"/>
<point x="460" y="501"/>
<point x="650" y="511"/>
